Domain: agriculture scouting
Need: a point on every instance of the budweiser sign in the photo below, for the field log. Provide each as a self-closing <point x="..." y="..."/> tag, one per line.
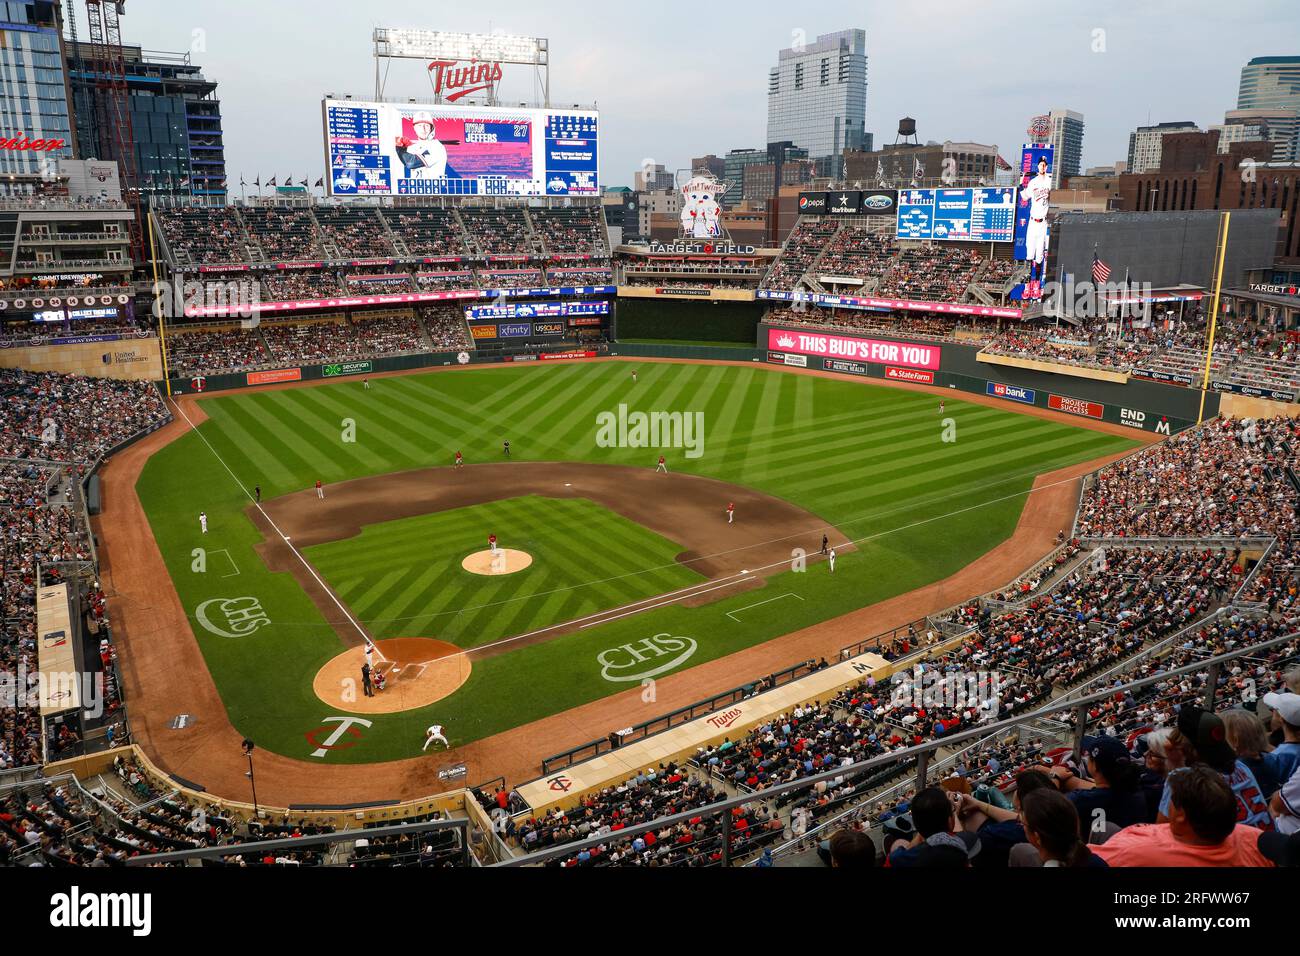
<point x="454" y="82"/>
<point x="21" y="142"/>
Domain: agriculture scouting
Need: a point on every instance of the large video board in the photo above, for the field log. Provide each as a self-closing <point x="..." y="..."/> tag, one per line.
<point x="386" y="149"/>
<point x="985" y="214"/>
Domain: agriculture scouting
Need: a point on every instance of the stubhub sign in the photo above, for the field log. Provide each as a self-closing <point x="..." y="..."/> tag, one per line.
<point x="841" y="346"/>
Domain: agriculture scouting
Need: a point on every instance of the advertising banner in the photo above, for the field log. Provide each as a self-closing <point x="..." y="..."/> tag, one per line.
<point x="347" y="368"/>
<point x="845" y="203"/>
<point x="840" y="365"/>
<point x="483" y="331"/>
<point x="274" y="375"/>
<point x="1076" y="406"/>
<point x="549" y="356"/>
<point x="842" y="346"/>
<point x="515" y="330"/>
<point x="1012" y="393"/>
<point x="920" y="376"/>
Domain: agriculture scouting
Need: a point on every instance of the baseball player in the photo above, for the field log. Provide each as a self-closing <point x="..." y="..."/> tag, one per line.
<point x="320" y="491"/>
<point x="831" y="558"/>
<point x="731" y="511"/>
<point x="662" y="466"/>
<point x="203" y="522"/>
<point x="1037" y="192"/>
<point x="421" y="152"/>
<point x="370" y="655"/>
<point x="365" y="383"/>
<point x="940" y="406"/>
<point x="633" y="376"/>
<point x="492" y="543"/>
<point x="434" y="733"/>
<point x="257" y="493"/>
<point x="460" y="460"/>
<point x="505" y="447"/>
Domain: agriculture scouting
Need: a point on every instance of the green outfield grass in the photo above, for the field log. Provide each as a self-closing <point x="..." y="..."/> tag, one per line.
<point x="404" y="578"/>
<point x="866" y="458"/>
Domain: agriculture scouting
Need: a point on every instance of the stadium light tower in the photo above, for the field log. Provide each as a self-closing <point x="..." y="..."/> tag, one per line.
<point x="436" y="47"/>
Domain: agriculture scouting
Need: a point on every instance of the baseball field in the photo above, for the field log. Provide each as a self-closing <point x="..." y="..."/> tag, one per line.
<point x="611" y="574"/>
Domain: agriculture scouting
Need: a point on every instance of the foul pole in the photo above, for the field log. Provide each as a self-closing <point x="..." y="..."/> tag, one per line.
<point x="1221" y="252"/>
<point x="157" y="303"/>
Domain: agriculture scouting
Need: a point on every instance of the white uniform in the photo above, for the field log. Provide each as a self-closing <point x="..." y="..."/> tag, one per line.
<point x="434" y="733"/>
<point x="432" y="156"/>
<point x="831" y="558"/>
<point x="1039" y="192"/>
<point x="203" y="522"/>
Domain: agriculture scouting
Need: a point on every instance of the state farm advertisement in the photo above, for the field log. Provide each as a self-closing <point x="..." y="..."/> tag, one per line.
<point x="866" y="350"/>
<point x="909" y="375"/>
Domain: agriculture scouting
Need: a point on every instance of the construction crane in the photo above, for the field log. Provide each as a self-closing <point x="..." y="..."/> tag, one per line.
<point x="114" y="134"/>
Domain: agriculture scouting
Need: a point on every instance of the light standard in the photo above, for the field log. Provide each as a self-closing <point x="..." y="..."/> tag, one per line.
<point x="248" y="748"/>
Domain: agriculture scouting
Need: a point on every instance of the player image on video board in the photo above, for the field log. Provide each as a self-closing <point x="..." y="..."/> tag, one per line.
<point x="1033" y="233"/>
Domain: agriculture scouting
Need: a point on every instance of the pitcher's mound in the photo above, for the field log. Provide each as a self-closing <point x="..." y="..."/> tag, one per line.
<point x="418" y="672"/>
<point x="508" y="561"/>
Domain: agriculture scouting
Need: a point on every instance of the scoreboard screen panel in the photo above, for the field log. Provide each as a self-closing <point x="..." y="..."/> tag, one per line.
<point x="439" y="150"/>
<point x="983" y="214"/>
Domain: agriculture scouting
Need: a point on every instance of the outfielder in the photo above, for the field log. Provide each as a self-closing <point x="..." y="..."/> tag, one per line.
<point x="460" y="460"/>
<point x="203" y="522"/>
<point x="505" y="447"/>
<point x="434" y="733"/>
<point x="662" y="466"/>
<point x="1038" y="193"/>
<point x="320" y="491"/>
<point x="633" y="376"/>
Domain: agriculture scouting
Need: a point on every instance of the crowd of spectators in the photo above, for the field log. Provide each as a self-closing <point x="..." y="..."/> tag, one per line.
<point x="287" y="286"/>
<point x="356" y="233"/>
<point x="202" y="235"/>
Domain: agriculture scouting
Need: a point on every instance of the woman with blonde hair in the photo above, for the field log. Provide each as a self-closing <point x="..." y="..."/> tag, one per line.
<point x="1246" y="736"/>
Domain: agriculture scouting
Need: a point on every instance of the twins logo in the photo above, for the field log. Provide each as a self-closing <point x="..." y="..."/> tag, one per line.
<point x="239" y="616"/>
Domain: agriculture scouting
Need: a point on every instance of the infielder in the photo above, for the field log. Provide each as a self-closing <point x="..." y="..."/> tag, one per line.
<point x="203" y="522"/>
<point x="505" y="447"/>
<point x="460" y="460"/>
<point x="1038" y="192"/>
<point x="662" y="466"/>
<point x="831" y="558"/>
<point x="435" y="733"/>
<point x="320" y="491"/>
<point x="731" y="512"/>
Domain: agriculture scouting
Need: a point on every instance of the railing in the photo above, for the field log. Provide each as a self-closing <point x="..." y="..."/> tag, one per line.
<point x="912" y="630"/>
<point x="663" y="722"/>
<point x="922" y="754"/>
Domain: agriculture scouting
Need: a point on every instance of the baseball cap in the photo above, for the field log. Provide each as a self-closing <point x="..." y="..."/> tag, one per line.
<point x="1208" y="735"/>
<point x="1106" y="752"/>
<point x="1287" y="704"/>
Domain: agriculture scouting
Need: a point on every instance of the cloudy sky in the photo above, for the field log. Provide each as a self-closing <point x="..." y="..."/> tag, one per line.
<point x="679" y="78"/>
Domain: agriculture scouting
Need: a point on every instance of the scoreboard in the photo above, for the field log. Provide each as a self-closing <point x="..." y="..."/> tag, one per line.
<point x="383" y="149"/>
<point x="983" y="214"/>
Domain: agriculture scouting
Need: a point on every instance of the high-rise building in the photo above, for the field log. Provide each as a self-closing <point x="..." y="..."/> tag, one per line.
<point x="1279" y="126"/>
<point x="175" y="119"/>
<point x="652" y="178"/>
<point x="1273" y="83"/>
<point x="932" y="164"/>
<point x="733" y="173"/>
<point x="35" y="123"/>
<point x="1067" y="138"/>
<point x="1144" y="144"/>
<point x="817" y="97"/>
<point x="715" y="166"/>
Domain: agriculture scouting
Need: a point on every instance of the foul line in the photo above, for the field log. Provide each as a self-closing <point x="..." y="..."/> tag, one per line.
<point x="750" y="607"/>
<point x="283" y="537"/>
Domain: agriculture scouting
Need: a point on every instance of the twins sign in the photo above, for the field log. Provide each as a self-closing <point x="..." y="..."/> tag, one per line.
<point x="867" y="350"/>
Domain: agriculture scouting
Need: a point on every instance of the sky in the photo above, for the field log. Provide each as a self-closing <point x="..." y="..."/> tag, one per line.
<point x="678" y="79"/>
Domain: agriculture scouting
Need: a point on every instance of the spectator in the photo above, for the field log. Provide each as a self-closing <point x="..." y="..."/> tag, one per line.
<point x="1053" y="827"/>
<point x="937" y="843"/>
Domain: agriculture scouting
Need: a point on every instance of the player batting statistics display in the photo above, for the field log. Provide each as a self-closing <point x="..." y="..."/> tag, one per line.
<point x="979" y="215"/>
<point x="383" y="149"/>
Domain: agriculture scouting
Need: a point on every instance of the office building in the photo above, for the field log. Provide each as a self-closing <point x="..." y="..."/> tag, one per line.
<point x="1067" y="139"/>
<point x="36" y="129"/>
<point x="817" y="97"/>
<point x="1145" y="142"/>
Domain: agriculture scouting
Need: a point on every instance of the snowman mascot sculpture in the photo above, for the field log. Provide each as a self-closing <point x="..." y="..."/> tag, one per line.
<point x="701" y="208"/>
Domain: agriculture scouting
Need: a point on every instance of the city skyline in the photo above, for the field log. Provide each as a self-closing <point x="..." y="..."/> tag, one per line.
<point x="661" y="101"/>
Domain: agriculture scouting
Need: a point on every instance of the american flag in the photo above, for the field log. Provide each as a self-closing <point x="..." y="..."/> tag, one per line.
<point x="1100" y="271"/>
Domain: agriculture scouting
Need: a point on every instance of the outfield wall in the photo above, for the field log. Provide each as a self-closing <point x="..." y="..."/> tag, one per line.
<point x="1135" y="403"/>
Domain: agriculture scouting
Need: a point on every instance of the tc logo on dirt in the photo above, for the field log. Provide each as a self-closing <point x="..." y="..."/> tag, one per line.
<point x="231" y="617"/>
<point x="637" y="661"/>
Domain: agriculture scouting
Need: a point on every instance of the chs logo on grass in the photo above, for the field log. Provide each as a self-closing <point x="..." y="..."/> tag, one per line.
<point x="624" y="429"/>
<point x="643" y="659"/>
<point x="78" y="910"/>
<point x="241" y="616"/>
